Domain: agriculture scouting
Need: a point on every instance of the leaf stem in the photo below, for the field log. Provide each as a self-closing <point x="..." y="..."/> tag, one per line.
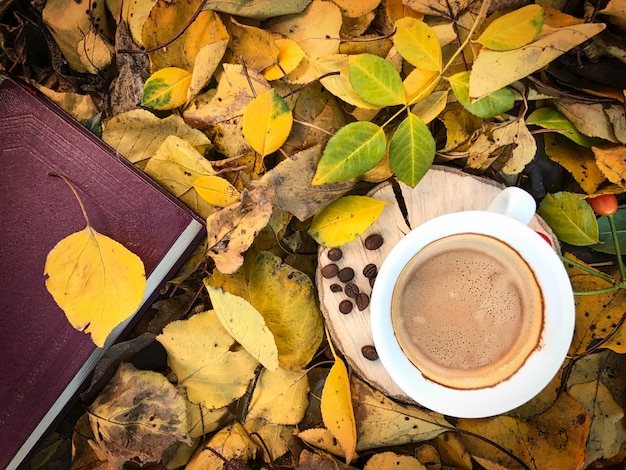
<point x="599" y="291"/>
<point x="618" y="250"/>
<point x="589" y="270"/>
<point x="71" y="186"/>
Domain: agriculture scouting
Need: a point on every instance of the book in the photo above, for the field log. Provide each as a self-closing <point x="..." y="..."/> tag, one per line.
<point x="44" y="361"/>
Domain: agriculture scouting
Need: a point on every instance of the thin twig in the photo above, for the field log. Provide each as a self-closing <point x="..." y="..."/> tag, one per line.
<point x="71" y="186"/>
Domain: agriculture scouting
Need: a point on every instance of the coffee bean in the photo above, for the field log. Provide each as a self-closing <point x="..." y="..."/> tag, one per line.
<point x="372" y="280"/>
<point x="330" y="270"/>
<point x="362" y="301"/>
<point x="374" y="241"/>
<point x="346" y="274"/>
<point x="345" y="306"/>
<point x="334" y="254"/>
<point x="370" y="271"/>
<point x="335" y="288"/>
<point x="351" y="290"/>
<point x="369" y="352"/>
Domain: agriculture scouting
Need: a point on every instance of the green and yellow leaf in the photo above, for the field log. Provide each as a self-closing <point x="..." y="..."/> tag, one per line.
<point x="166" y="89"/>
<point x="411" y="150"/>
<point x="487" y="107"/>
<point x="375" y="80"/>
<point x="267" y="122"/>
<point x="571" y="218"/>
<point x="513" y="30"/>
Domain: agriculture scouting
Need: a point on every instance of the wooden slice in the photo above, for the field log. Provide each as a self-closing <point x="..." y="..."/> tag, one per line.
<point x="442" y="190"/>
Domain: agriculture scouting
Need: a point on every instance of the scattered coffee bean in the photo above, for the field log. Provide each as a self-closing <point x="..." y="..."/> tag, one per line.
<point x="370" y="270"/>
<point x="351" y="290"/>
<point x="334" y="254"/>
<point x="335" y="288"/>
<point x="372" y="280"/>
<point x="346" y="274"/>
<point x="330" y="270"/>
<point x="369" y="352"/>
<point x="345" y="306"/>
<point x="362" y="301"/>
<point x="374" y="241"/>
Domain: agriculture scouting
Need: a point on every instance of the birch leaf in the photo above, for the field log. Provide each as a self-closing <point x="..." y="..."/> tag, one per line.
<point x="355" y="149"/>
<point x="166" y="89"/>
<point x="411" y="150"/>
<point x="216" y="190"/>
<point x="376" y="80"/>
<point x="493" y="70"/>
<point x="345" y="219"/>
<point x="571" y="218"/>
<point x="417" y="43"/>
<point x="246" y="325"/>
<point x="202" y="355"/>
<point x="267" y="122"/>
<point x="96" y="281"/>
<point x="336" y="406"/>
<point x="611" y="160"/>
<point x="513" y="30"/>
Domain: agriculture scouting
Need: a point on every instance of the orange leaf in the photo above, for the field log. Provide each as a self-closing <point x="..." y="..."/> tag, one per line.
<point x="612" y="162"/>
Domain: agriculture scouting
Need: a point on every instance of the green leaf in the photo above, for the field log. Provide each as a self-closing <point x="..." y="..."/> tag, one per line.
<point x="571" y="218"/>
<point x="376" y="80"/>
<point x="355" y="149"/>
<point x="257" y="9"/>
<point x="606" y="244"/>
<point x="513" y="30"/>
<point x="411" y="150"/>
<point x="550" y="118"/>
<point x="487" y="107"/>
<point x="417" y="43"/>
<point x="166" y="89"/>
<point x="345" y="219"/>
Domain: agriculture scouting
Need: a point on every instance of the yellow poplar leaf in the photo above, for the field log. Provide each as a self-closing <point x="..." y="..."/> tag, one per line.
<point x="418" y="44"/>
<point x="207" y="365"/>
<point x="493" y="70"/>
<point x="216" y="191"/>
<point x="556" y="438"/>
<point x="166" y="89"/>
<point x="579" y="161"/>
<point x="513" y="30"/>
<point x="135" y="14"/>
<point x="267" y="122"/>
<point x="230" y="443"/>
<point x="393" y="460"/>
<point x="345" y="219"/>
<point x="290" y="54"/>
<point x="336" y="406"/>
<point x="607" y="432"/>
<point x="611" y="160"/>
<point x="138" y="134"/>
<point x="246" y="325"/>
<point x="280" y="397"/>
<point x="96" y="281"/>
<point x="287" y="300"/>
<point x="278" y="439"/>
<point x="138" y="416"/>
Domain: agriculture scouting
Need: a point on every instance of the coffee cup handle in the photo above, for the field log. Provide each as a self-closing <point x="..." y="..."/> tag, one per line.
<point x="515" y="203"/>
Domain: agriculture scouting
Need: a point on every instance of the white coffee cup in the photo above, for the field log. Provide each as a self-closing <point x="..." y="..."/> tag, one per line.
<point x="505" y="220"/>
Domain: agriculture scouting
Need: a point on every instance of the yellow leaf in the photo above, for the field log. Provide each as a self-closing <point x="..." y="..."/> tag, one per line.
<point x="246" y="325"/>
<point x="203" y="356"/>
<point x="611" y="160"/>
<point x="166" y="89"/>
<point x="336" y="406"/>
<point x="216" y="191"/>
<point x="253" y="46"/>
<point x="345" y="219"/>
<point x="579" y="161"/>
<point x="96" y="281"/>
<point x="267" y="122"/>
<point x="290" y="54"/>
<point x="513" y="30"/>
<point x="322" y="438"/>
<point x="493" y="70"/>
<point x="352" y="9"/>
<point x="432" y="106"/>
<point x="393" y="460"/>
<point x="556" y="438"/>
<point x="230" y="443"/>
<point x="339" y="85"/>
<point x="418" y="44"/>
<point x="280" y="397"/>
<point x="419" y="84"/>
<point x="138" y="134"/>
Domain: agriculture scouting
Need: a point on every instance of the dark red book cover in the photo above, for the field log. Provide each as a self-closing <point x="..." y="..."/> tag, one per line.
<point x="43" y="359"/>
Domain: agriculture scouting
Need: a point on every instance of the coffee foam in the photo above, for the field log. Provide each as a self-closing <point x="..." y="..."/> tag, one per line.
<point x="475" y="332"/>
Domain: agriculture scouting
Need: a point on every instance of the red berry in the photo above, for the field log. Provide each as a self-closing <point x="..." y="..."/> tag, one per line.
<point x="545" y="237"/>
<point x="605" y="204"/>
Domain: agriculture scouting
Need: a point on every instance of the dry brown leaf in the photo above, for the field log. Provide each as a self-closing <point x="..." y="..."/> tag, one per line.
<point x="555" y="439"/>
<point x="232" y="230"/>
<point x="594" y="120"/>
<point x="352" y="9"/>
<point x="446" y="8"/>
<point x="611" y="160"/>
